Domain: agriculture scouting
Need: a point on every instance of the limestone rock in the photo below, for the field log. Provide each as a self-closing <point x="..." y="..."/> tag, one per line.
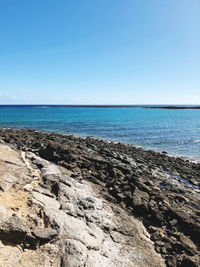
<point x="45" y="235"/>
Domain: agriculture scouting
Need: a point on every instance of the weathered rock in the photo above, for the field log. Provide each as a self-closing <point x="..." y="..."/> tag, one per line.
<point x="187" y="241"/>
<point x="140" y="201"/>
<point x="75" y="253"/>
<point x="45" y="235"/>
<point x="12" y="228"/>
<point x="150" y="185"/>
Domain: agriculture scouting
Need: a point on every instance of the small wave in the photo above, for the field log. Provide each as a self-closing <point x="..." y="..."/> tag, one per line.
<point x="196" y="141"/>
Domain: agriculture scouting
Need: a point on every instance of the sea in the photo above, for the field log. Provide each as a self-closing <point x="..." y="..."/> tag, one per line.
<point x="176" y="131"/>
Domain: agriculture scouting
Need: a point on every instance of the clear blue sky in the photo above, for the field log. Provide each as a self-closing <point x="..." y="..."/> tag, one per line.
<point x="100" y="52"/>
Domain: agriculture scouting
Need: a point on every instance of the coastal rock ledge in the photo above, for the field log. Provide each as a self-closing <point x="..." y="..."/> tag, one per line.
<point x="69" y="202"/>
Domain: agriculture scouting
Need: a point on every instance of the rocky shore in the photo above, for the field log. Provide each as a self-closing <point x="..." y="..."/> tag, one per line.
<point x="70" y="201"/>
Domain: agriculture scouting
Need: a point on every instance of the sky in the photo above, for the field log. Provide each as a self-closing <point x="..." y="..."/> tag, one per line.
<point x="100" y="52"/>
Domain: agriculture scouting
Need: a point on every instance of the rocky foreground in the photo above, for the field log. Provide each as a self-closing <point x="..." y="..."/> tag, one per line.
<point x="69" y="201"/>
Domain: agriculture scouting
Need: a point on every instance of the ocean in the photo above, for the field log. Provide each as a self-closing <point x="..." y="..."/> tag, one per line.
<point x="176" y="131"/>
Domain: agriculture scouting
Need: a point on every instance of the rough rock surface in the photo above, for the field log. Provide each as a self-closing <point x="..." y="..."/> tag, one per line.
<point x="53" y="219"/>
<point x="98" y="202"/>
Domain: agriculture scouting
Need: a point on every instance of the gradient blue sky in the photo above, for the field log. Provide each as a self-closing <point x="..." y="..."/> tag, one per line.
<point x="100" y="52"/>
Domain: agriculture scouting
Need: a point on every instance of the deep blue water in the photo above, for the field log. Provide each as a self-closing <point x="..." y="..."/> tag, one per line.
<point x="175" y="131"/>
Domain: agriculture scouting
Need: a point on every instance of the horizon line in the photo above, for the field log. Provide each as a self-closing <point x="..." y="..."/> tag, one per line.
<point x="99" y="104"/>
<point x="151" y="106"/>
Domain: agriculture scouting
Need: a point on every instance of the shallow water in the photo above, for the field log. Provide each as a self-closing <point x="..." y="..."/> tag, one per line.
<point x="175" y="131"/>
<point x="185" y="181"/>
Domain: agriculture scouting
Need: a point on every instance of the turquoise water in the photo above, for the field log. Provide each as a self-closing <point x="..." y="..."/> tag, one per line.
<point x="175" y="131"/>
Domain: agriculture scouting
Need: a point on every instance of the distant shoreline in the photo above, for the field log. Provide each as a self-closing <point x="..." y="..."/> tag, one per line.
<point x="174" y="107"/>
<point x="105" y="106"/>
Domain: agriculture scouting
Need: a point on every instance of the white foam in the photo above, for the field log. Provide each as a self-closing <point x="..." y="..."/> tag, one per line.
<point x="196" y="141"/>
